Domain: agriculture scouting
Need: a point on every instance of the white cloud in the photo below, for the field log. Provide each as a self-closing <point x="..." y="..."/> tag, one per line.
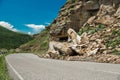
<point x="29" y="33"/>
<point x="8" y="26"/>
<point x="35" y="27"/>
<point x="47" y="23"/>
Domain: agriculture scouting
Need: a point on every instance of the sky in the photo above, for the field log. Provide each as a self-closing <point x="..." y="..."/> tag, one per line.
<point x="28" y="16"/>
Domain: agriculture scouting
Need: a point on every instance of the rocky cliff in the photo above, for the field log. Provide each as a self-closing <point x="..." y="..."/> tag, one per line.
<point x="98" y="24"/>
<point x="75" y="13"/>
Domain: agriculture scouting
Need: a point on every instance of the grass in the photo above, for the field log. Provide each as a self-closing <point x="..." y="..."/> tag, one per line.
<point x="113" y="42"/>
<point x="3" y="69"/>
<point x="116" y="52"/>
<point x="114" y="39"/>
<point x="44" y="42"/>
<point x="39" y="45"/>
<point x="98" y="28"/>
<point x="91" y="30"/>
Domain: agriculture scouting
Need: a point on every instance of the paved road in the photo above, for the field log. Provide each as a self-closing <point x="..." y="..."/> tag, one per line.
<point x="30" y="67"/>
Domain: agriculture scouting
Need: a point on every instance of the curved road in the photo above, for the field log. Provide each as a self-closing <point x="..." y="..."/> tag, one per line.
<point x="31" y="67"/>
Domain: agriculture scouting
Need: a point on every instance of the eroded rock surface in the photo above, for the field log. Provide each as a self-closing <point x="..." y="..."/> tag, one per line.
<point x="98" y="23"/>
<point x="75" y="13"/>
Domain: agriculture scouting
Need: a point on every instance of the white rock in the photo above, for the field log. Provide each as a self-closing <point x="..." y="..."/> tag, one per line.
<point x="93" y="52"/>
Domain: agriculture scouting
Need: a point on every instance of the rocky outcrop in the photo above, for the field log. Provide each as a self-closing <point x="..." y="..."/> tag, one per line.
<point x="75" y="13"/>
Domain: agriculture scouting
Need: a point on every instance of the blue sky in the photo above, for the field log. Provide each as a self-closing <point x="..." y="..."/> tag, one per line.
<point x="29" y="15"/>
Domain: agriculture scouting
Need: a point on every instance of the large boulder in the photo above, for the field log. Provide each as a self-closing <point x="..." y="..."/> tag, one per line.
<point x="117" y="14"/>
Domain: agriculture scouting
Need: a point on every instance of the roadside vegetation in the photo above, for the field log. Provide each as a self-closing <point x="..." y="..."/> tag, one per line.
<point x="91" y="30"/>
<point x="114" y="41"/>
<point x="39" y="44"/>
<point x="3" y="69"/>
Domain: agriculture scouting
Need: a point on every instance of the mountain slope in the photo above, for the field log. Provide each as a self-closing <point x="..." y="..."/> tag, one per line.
<point x="38" y="45"/>
<point x="10" y="39"/>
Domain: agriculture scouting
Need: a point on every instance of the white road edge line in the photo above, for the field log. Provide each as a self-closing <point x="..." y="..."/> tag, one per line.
<point x="20" y="77"/>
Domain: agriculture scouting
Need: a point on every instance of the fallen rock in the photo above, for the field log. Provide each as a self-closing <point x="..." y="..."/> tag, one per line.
<point x="93" y="52"/>
<point x="72" y="35"/>
<point x="106" y="20"/>
<point x="52" y="54"/>
<point x="90" y="21"/>
<point x="79" y="49"/>
<point x="84" y="38"/>
<point x="117" y="14"/>
<point x="92" y="5"/>
<point x="47" y="56"/>
<point x="106" y="10"/>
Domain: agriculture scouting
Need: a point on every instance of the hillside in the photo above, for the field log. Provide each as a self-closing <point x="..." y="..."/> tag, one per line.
<point x="38" y="45"/>
<point x="96" y="22"/>
<point x="12" y="40"/>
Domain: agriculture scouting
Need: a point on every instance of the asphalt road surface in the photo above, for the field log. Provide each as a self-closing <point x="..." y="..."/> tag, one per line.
<point x="31" y="67"/>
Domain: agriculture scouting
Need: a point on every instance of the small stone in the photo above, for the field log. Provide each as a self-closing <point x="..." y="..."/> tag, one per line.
<point x="118" y="49"/>
<point x="109" y="47"/>
<point x="105" y="52"/>
<point x="47" y="56"/>
<point x="93" y="52"/>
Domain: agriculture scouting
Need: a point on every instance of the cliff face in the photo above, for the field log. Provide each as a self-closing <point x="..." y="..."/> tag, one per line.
<point x="75" y="13"/>
<point x="98" y="24"/>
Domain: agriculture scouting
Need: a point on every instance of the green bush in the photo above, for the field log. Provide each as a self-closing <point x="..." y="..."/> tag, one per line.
<point x="100" y="27"/>
<point x="114" y="39"/>
<point x="116" y="52"/>
<point x="39" y="44"/>
<point x="90" y="29"/>
<point x="3" y="69"/>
